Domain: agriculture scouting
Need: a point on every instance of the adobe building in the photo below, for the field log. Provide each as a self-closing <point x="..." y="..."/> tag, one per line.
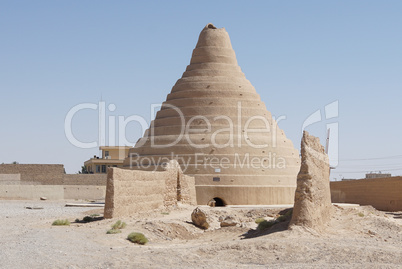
<point x="215" y="125"/>
<point x="112" y="156"/>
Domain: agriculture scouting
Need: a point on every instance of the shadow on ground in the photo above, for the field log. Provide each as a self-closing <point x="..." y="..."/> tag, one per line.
<point x="279" y="227"/>
<point x="395" y="215"/>
<point x="88" y="219"/>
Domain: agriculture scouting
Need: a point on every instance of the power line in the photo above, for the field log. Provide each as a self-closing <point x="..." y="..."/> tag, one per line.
<point x="384" y="166"/>
<point x="369" y="159"/>
<point x="395" y="169"/>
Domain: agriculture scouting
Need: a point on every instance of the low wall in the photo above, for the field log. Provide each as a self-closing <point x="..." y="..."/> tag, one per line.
<point x="10" y="179"/>
<point x="381" y="193"/>
<point x="46" y="174"/>
<point x="32" y="192"/>
<point x="32" y="181"/>
<point x="246" y="195"/>
<point x="52" y="192"/>
<point x="131" y="191"/>
<point x="85" y="179"/>
<point x="84" y="192"/>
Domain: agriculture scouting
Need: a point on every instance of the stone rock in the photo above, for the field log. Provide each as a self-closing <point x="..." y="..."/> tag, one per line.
<point x="199" y="218"/>
<point x="228" y="221"/>
<point x="212" y="203"/>
<point x="312" y="207"/>
<point x="43" y="198"/>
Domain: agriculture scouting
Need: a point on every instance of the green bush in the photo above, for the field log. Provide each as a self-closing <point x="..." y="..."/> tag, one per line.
<point x="259" y="220"/>
<point x="282" y="218"/>
<point x="360" y="214"/>
<point x="266" y="224"/>
<point x="289" y="213"/>
<point x="116" y="227"/>
<point x="113" y="231"/>
<point x="285" y="217"/>
<point x="60" y="222"/>
<point x="87" y="219"/>
<point x="119" y="225"/>
<point x="137" y="238"/>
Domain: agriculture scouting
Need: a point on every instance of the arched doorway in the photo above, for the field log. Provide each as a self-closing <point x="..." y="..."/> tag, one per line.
<point x="219" y="201"/>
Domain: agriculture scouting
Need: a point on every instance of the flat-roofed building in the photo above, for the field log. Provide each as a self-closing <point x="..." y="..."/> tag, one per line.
<point x="111" y="157"/>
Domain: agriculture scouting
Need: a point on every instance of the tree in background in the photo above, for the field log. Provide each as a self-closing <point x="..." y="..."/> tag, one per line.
<point x="83" y="170"/>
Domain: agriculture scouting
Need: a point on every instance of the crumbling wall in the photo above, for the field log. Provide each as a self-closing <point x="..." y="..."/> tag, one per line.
<point x="187" y="189"/>
<point x="131" y="191"/>
<point x="381" y="193"/>
<point x="178" y="186"/>
<point x="312" y="207"/>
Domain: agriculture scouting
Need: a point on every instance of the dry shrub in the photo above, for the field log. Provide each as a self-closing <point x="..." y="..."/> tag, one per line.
<point x="61" y="222"/>
<point x="137" y="238"/>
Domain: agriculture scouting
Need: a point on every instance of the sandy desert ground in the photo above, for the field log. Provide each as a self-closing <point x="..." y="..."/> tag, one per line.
<point x="359" y="237"/>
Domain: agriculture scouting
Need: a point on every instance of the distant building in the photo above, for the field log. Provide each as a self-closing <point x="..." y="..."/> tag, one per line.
<point x="111" y="157"/>
<point x="377" y="175"/>
<point x="348" y="179"/>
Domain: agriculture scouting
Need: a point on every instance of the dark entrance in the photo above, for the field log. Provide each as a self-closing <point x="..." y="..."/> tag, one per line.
<point x="219" y="202"/>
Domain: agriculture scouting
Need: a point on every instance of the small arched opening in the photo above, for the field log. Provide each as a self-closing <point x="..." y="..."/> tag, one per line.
<point x="216" y="201"/>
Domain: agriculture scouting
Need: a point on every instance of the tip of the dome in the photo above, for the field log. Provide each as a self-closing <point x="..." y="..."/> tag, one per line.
<point x="210" y="26"/>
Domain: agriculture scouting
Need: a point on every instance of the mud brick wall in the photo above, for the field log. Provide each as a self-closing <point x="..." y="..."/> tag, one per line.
<point x="132" y="191"/>
<point x="10" y="179"/>
<point x="45" y="174"/>
<point x="85" y="179"/>
<point x="381" y="193"/>
<point x="129" y="192"/>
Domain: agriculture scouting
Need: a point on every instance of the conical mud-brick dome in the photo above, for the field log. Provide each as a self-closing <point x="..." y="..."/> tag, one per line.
<point x="215" y="124"/>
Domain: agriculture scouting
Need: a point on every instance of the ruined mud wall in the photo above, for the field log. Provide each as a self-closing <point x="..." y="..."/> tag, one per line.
<point x="312" y="208"/>
<point x="381" y="193"/>
<point x="128" y="192"/>
<point x="131" y="191"/>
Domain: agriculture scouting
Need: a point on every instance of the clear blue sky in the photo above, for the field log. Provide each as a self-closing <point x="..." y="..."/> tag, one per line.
<point x="299" y="55"/>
